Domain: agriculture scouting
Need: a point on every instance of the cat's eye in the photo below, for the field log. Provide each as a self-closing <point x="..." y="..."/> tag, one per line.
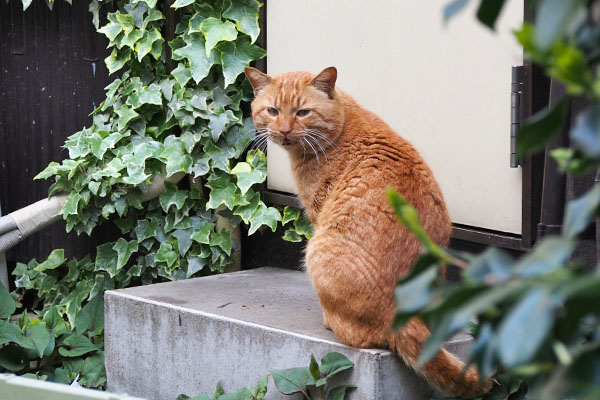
<point x="273" y="111"/>
<point x="302" y="113"/>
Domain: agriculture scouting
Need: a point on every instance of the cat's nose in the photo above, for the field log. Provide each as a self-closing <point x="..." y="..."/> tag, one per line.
<point x="285" y="130"/>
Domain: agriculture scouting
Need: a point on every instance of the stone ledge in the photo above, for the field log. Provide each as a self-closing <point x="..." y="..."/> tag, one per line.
<point x="183" y="337"/>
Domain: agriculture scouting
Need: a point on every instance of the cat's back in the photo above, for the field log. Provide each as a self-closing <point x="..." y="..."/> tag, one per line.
<point x="373" y="158"/>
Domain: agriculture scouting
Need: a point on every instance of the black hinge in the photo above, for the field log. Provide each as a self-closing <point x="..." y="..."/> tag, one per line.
<point x="517" y="109"/>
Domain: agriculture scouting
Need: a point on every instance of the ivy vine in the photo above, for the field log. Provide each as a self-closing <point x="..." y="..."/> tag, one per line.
<point x="176" y="108"/>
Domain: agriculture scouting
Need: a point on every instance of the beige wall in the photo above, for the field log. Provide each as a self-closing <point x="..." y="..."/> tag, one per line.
<point x="445" y="87"/>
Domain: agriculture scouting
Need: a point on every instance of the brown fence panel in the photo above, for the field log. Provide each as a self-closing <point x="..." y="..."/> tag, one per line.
<point x="52" y="75"/>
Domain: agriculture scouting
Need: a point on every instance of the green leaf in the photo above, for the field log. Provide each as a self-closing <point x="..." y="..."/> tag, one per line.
<point x="144" y="45"/>
<point x="246" y="211"/>
<point x="124" y="251"/>
<point x="91" y="316"/>
<point x="294" y="380"/>
<point x="525" y="327"/>
<point x="126" y="22"/>
<point x="26" y="4"/>
<point x="548" y="255"/>
<point x="289" y="214"/>
<point x="542" y="128"/>
<point x="181" y="74"/>
<point x="54" y="320"/>
<point x="172" y="196"/>
<point x="339" y="392"/>
<point x="167" y="254"/>
<point x="125" y="114"/>
<point x="235" y="56"/>
<point x="76" y="345"/>
<point x="13" y="357"/>
<point x="554" y="17"/>
<point x="314" y="368"/>
<point x="409" y="217"/>
<point x="291" y="235"/>
<point x="222" y="192"/>
<point x="117" y="59"/>
<point x="581" y="212"/>
<point x="151" y="95"/>
<point x="223" y="240"/>
<point x="195" y="52"/>
<point x="260" y="389"/>
<point x="54" y="260"/>
<point x="182" y="3"/>
<point x="202" y="235"/>
<point x="145" y="229"/>
<point x="106" y="259"/>
<point x="184" y="240"/>
<point x="492" y="266"/>
<point x="241" y="394"/>
<point x="488" y="12"/>
<point x="112" y="29"/>
<point x="176" y="157"/>
<point x="416" y="293"/>
<point x="334" y="363"/>
<point x="40" y="338"/>
<point x="586" y="133"/>
<point x="264" y="216"/>
<point x="71" y="204"/>
<point x="7" y="304"/>
<point x="245" y="15"/>
<point x="215" y="31"/>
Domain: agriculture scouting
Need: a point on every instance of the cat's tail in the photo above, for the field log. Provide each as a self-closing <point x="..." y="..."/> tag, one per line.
<point x="445" y="372"/>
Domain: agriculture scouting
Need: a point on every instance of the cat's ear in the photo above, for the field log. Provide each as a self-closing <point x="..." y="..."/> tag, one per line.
<point x="257" y="79"/>
<point x="325" y="81"/>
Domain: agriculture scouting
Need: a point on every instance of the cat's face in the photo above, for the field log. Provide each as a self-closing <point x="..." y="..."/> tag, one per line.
<point x="297" y="110"/>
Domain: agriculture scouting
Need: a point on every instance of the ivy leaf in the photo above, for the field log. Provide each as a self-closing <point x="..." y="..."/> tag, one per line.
<point x="245" y="15"/>
<point x="166" y="254"/>
<point x="177" y="159"/>
<point x="184" y="240"/>
<point x="106" y="259"/>
<point x="339" y="392"/>
<point x="195" y="52"/>
<point x="91" y="316"/>
<point x="264" y="216"/>
<point x="124" y="251"/>
<point x="260" y="389"/>
<point x="112" y="29"/>
<point x="126" y="22"/>
<point x="235" y="56"/>
<point x="219" y="159"/>
<point x="223" y="240"/>
<point x="145" y="229"/>
<point x="76" y="345"/>
<point x="290" y="214"/>
<point x="182" y="3"/>
<point x="71" y="204"/>
<point x="195" y="264"/>
<point x="245" y="180"/>
<point x="125" y="114"/>
<point x="215" y="31"/>
<point x="144" y="45"/>
<point x="53" y="320"/>
<point x="202" y="234"/>
<point x="222" y="192"/>
<point x="172" y="196"/>
<point x="181" y="74"/>
<point x="117" y="59"/>
<point x="54" y="260"/>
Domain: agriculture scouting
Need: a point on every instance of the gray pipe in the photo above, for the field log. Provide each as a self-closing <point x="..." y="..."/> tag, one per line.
<point x="7" y="224"/>
<point x="9" y="240"/>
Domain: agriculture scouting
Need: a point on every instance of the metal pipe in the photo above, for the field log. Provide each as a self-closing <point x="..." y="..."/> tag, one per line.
<point x="7" y="223"/>
<point x="9" y="240"/>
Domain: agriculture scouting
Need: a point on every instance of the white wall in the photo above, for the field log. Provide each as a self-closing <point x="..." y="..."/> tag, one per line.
<point x="443" y="86"/>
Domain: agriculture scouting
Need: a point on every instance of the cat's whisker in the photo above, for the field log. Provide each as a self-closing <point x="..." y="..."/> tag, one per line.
<point x="316" y="141"/>
<point x="313" y="149"/>
<point x="303" y="149"/>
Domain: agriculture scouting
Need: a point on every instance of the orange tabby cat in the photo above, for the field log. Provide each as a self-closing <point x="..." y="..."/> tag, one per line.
<point x="343" y="158"/>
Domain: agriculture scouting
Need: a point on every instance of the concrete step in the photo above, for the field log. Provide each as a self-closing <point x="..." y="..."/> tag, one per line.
<point x="186" y="336"/>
